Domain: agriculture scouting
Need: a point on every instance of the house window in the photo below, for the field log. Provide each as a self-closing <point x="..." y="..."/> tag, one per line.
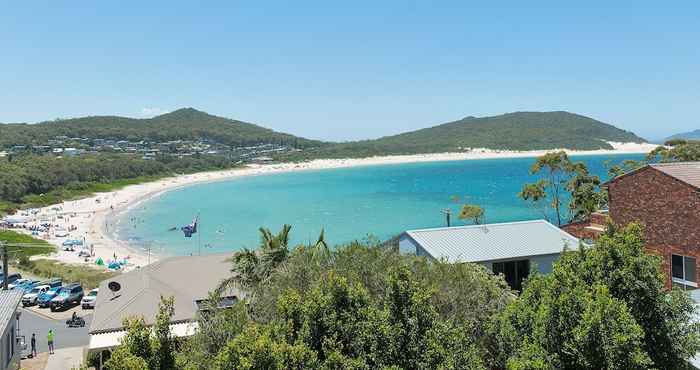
<point x="514" y="272"/>
<point x="683" y="271"/>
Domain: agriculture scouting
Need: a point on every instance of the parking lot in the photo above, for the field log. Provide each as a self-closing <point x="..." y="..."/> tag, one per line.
<point x="39" y="322"/>
<point x="58" y="315"/>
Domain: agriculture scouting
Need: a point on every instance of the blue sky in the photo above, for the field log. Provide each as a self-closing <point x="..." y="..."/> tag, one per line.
<point x="350" y="70"/>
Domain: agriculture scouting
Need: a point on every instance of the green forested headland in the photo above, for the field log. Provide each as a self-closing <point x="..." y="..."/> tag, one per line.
<point x="182" y="124"/>
<point x="511" y="131"/>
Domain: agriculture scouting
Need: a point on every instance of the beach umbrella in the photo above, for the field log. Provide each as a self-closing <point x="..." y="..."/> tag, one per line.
<point x="99" y="261"/>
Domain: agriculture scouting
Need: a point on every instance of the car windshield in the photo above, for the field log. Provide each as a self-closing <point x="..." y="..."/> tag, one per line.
<point x="92" y="294"/>
<point x="64" y="293"/>
<point x="34" y="290"/>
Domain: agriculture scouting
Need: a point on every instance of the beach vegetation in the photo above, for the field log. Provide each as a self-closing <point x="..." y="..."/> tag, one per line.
<point x="676" y="151"/>
<point x="23" y="250"/>
<point x="33" y="181"/>
<point x="88" y="276"/>
<point x="21" y="246"/>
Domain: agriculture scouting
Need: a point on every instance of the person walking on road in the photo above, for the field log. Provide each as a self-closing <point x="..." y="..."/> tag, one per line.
<point x="50" y="338"/>
<point x="33" y="345"/>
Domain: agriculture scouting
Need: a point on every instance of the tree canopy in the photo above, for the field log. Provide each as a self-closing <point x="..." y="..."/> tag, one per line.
<point x="362" y="306"/>
<point x="564" y="188"/>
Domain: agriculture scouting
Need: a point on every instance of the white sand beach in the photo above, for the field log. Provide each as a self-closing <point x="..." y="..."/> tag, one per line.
<point x="89" y="218"/>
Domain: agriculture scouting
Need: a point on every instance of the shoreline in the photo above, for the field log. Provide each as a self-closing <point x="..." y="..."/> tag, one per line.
<point x="93" y="217"/>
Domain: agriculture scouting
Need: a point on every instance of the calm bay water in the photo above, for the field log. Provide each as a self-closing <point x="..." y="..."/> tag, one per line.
<point x="350" y="203"/>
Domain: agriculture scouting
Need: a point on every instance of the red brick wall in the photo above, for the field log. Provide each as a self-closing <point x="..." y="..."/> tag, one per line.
<point x="668" y="209"/>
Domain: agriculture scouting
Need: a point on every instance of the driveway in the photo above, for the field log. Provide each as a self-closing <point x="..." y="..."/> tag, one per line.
<point x="65" y="337"/>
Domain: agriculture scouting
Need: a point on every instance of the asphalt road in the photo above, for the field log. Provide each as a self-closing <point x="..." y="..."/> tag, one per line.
<point x="65" y="337"/>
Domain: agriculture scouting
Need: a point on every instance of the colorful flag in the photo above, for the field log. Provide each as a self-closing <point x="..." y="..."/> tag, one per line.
<point x="191" y="228"/>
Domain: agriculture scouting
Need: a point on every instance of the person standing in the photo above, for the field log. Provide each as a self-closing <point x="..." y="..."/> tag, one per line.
<point x="50" y="338"/>
<point x="33" y="342"/>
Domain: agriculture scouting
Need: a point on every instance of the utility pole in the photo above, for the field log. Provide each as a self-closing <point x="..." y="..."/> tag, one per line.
<point x="447" y="213"/>
<point x="5" y="273"/>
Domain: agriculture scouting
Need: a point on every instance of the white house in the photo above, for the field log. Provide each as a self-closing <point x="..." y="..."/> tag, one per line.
<point x="512" y="248"/>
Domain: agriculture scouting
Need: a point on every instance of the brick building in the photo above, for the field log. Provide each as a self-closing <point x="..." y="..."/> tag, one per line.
<point x="665" y="199"/>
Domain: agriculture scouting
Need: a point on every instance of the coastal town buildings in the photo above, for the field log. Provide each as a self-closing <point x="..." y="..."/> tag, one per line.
<point x="188" y="279"/>
<point x="149" y="149"/>
<point x="511" y="249"/>
<point x="665" y="199"/>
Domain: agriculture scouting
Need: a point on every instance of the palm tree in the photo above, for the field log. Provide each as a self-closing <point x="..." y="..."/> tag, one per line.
<point x="251" y="268"/>
<point x="320" y="250"/>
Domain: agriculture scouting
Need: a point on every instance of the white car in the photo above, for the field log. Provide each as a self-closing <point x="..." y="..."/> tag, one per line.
<point x="90" y="299"/>
<point x="30" y="298"/>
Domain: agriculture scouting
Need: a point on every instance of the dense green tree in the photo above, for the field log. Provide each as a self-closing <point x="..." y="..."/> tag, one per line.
<point x="603" y="307"/>
<point x="258" y="348"/>
<point x="216" y="326"/>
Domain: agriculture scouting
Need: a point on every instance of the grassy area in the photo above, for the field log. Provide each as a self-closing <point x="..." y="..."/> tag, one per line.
<point x="31" y="246"/>
<point x="87" y="276"/>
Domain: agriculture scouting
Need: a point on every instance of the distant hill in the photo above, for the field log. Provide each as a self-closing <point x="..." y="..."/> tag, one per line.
<point x="182" y="124"/>
<point x="691" y="135"/>
<point x="511" y="131"/>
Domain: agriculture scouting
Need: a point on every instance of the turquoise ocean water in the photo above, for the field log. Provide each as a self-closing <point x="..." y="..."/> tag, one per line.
<point x="350" y="203"/>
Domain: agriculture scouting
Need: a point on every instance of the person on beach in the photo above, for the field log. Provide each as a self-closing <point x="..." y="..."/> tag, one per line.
<point x="50" y="338"/>
<point x="33" y="343"/>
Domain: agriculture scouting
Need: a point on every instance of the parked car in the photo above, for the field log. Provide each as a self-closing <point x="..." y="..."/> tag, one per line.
<point x="90" y="299"/>
<point x="29" y="299"/>
<point x="12" y="278"/>
<point x="22" y="284"/>
<point x="70" y="294"/>
<point x="44" y="299"/>
<point x="28" y="285"/>
<point x="52" y="283"/>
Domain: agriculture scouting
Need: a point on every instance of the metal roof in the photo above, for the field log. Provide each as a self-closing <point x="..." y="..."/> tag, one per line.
<point x="479" y="243"/>
<point x="9" y="300"/>
<point x="688" y="172"/>
<point x="187" y="279"/>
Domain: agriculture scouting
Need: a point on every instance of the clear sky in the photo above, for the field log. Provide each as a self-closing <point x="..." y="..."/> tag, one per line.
<point x="354" y="69"/>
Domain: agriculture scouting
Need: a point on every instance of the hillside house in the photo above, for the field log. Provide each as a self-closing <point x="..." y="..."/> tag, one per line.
<point x="188" y="279"/>
<point x="511" y="248"/>
<point x="665" y="199"/>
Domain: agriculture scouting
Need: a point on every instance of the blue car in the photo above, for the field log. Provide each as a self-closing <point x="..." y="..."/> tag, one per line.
<point x="23" y="284"/>
<point x="28" y="285"/>
<point x="44" y="299"/>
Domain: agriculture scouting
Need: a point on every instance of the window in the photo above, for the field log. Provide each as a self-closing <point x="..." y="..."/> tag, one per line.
<point x="683" y="270"/>
<point x="514" y="272"/>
